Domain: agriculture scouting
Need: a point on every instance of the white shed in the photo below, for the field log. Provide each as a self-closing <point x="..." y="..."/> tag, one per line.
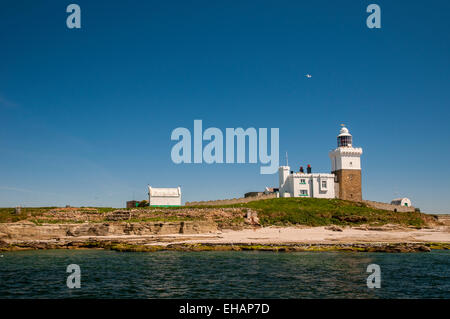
<point x="401" y="202"/>
<point x="164" y="196"/>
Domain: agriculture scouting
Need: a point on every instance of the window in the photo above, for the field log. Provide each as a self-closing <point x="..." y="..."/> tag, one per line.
<point x="344" y="141"/>
<point x="302" y="181"/>
<point x="324" y="184"/>
<point x="303" y="192"/>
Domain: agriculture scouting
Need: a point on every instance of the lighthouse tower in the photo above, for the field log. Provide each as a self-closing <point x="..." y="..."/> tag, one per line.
<point x="346" y="166"/>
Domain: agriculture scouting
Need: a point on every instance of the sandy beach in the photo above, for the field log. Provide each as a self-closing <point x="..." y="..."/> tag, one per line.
<point x="389" y="234"/>
<point x="324" y="235"/>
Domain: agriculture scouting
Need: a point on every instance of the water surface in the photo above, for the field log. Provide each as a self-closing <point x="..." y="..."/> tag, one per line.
<point x="110" y="274"/>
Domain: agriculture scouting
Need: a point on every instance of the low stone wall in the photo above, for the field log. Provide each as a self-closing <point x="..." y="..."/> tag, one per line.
<point x="386" y="206"/>
<point x="230" y="201"/>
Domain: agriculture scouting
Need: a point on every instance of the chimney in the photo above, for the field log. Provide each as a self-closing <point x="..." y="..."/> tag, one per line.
<point x="308" y="169"/>
<point x="301" y="169"/>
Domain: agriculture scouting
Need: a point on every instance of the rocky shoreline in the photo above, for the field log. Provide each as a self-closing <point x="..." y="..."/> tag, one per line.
<point x="207" y="235"/>
<point x="26" y="230"/>
<point x="144" y="246"/>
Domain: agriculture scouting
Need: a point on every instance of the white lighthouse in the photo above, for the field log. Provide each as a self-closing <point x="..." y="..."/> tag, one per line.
<point x="344" y="182"/>
<point x="346" y="166"/>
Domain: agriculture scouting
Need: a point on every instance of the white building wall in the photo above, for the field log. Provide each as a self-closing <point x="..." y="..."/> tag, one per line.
<point x="298" y="186"/>
<point x="283" y="173"/>
<point x="336" y="188"/>
<point x="346" y="158"/>
<point x="323" y="191"/>
<point x="165" y="201"/>
<point x="307" y="185"/>
<point x="164" y="196"/>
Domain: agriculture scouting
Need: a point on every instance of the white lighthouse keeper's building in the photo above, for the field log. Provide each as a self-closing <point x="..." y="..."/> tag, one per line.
<point x="164" y="197"/>
<point x="299" y="184"/>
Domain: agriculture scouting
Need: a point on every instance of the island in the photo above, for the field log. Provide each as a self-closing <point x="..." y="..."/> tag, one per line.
<point x="276" y="224"/>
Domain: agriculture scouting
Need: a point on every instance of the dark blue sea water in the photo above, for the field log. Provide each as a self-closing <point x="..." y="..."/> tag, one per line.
<point x="109" y="274"/>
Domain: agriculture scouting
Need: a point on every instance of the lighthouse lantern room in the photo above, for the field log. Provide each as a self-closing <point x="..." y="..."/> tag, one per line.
<point x="344" y="138"/>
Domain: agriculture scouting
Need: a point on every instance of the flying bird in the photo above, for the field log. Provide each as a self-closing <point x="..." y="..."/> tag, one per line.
<point x="308" y="76"/>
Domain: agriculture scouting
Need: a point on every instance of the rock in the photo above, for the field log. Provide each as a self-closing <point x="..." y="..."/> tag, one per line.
<point x="25" y="222"/>
<point x="423" y="248"/>
<point x="26" y="230"/>
<point x="3" y="244"/>
<point x="334" y="228"/>
<point x="252" y="218"/>
<point x="118" y="215"/>
<point x="352" y="218"/>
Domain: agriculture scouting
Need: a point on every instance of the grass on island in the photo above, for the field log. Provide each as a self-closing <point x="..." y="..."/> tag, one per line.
<point x="322" y="212"/>
<point x="7" y="215"/>
<point x="277" y="211"/>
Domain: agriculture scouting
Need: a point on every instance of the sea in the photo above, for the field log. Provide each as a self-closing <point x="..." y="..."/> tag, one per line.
<point x="215" y="274"/>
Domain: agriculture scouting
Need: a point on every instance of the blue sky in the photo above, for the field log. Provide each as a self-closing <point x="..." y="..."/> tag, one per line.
<point x="86" y="115"/>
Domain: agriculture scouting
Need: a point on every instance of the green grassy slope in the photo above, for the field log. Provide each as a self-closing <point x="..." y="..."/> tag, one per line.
<point x="320" y="212"/>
